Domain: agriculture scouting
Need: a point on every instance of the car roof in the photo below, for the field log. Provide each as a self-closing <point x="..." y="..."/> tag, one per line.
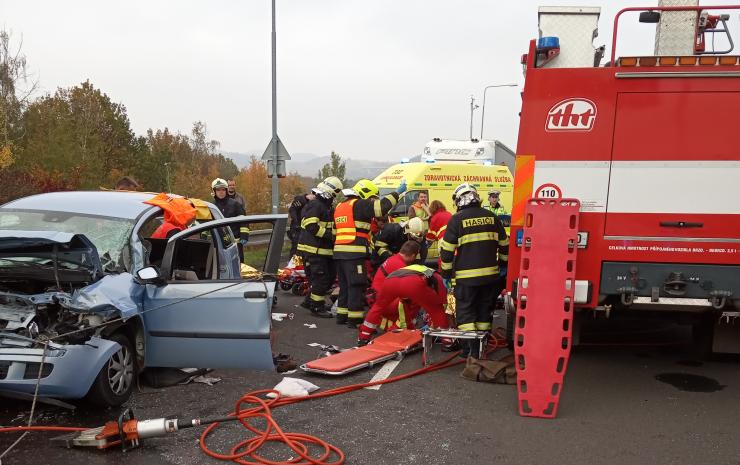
<point x="117" y="204"/>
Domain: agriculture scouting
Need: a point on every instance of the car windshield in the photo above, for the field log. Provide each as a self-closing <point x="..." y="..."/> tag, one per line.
<point x="109" y="234"/>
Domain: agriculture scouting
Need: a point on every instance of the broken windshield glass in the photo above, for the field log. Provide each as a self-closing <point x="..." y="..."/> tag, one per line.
<point x="109" y="234"/>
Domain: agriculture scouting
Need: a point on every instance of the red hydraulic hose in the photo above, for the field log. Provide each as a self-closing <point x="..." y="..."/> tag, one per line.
<point x="297" y="442"/>
<point x="246" y="452"/>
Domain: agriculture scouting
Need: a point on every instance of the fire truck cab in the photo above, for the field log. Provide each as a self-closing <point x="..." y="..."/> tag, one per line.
<point x="648" y="144"/>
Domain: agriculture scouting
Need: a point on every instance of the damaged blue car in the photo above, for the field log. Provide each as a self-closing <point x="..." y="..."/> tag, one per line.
<point x="88" y="298"/>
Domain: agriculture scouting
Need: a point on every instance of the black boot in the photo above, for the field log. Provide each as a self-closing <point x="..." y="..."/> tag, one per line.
<point x="321" y="311"/>
<point x="341" y="319"/>
<point x="354" y="322"/>
<point x="317" y="308"/>
<point x="307" y="303"/>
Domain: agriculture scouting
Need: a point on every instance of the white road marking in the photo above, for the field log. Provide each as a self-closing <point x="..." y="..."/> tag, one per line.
<point x="383" y="373"/>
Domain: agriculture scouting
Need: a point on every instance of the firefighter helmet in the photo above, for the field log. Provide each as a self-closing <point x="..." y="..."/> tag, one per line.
<point x="219" y="183"/>
<point x="415" y="228"/>
<point x="465" y="194"/>
<point x="328" y="188"/>
<point x="366" y="189"/>
<point x="494" y="192"/>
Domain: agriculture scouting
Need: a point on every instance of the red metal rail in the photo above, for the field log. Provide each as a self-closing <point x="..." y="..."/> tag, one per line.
<point x="658" y="8"/>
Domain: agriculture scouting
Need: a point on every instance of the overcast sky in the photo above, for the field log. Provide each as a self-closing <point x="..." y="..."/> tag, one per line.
<point x="373" y="79"/>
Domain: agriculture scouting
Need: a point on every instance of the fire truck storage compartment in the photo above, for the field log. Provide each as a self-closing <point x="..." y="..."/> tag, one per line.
<point x="671" y="280"/>
<point x="675" y="169"/>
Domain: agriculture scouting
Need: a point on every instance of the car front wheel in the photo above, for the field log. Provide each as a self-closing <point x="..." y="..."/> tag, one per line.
<point x="115" y="381"/>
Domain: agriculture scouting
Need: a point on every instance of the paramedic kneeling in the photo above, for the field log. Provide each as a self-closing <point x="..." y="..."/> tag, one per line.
<point x="403" y="293"/>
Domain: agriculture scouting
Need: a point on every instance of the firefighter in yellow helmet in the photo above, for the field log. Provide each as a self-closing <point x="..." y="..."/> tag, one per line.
<point x="352" y="245"/>
<point x="474" y="251"/>
<point x="315" y="244"/>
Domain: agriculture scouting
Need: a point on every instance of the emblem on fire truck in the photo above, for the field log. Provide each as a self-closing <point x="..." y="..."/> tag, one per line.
<point x="573" y="114"/>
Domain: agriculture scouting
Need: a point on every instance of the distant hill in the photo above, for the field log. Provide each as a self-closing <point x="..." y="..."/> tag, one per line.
<point x="308" y="164"/>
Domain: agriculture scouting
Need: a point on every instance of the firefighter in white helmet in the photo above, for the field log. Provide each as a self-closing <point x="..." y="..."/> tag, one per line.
<point x="474" y="252"/>
<point x="392" y="236"/>
<point x="415" y="231"/>
<point x="315" y="244"/>
<point x="229" y="208"/>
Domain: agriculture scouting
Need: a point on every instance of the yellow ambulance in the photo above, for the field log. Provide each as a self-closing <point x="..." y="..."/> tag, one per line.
<point x="439" y="179"/>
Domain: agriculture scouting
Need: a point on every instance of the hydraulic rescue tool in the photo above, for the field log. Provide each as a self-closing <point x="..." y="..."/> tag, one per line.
<point x="127" y="432"/>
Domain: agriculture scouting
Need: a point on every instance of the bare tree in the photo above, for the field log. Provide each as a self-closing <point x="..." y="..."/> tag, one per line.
<point x="16" y="88"/>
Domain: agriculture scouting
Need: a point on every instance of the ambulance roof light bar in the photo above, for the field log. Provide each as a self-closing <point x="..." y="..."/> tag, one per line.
<point x="698" y="9"/>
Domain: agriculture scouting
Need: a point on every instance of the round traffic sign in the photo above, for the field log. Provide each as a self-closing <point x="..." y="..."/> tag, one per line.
<point x="548" y="191"/>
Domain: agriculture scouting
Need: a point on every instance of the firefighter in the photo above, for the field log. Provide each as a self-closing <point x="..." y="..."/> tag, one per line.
<point x="295" y="216"/>
<point x="315" y="244"/>
<point x="474" y="251"/>
<point x="403" y="294"/>
<point x="387" y="241"/>
<point x="415" y="231"/>
<point x="230" y="208"/>
<point x="352" y="245"/>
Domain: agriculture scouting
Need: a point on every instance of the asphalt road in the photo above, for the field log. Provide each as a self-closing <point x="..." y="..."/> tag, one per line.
<point x="614" y="409"/>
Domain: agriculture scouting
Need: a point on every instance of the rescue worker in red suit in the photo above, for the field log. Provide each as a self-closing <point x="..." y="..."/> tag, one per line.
<point x="404" y="293"/>
<point x="438" y="221"/>
<point x="178" y="214"/>
<point x="166" y="230"/>
<point x="406" y="256"/>
<point x="352" y="245"/>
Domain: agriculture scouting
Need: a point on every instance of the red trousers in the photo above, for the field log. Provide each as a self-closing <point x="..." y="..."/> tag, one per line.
<point x="414" y="292"/>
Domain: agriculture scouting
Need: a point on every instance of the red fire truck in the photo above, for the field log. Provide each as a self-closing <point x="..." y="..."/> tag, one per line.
<point x="649" y="146"/>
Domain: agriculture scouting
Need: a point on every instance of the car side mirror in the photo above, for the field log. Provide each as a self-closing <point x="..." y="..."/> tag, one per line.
<point x="149" y="275"/>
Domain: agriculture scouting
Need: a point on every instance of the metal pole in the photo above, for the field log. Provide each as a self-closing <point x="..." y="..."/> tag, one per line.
<point x="275" y="184"/>
<point x="472" y="107"/>
<point x="483" y="109"/>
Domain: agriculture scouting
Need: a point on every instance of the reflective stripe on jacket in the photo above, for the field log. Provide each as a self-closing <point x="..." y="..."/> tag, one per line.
<point x="352" y="220"/>
<point x="473" y="247"/>
<point x="316" y="237"/>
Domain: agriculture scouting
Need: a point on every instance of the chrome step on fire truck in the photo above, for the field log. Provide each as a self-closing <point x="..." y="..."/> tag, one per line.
<point x="649" y="146"/>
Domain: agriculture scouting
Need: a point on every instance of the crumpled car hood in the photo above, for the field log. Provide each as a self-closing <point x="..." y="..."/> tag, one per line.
<point x="117" y="293"/>
<point x="75" y="248"/>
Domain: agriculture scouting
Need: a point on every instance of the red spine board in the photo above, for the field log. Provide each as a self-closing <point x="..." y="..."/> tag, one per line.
<point x="544" y="316"/>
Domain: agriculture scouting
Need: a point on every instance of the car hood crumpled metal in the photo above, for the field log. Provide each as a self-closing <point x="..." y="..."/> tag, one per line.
<point x="114" y="294"/>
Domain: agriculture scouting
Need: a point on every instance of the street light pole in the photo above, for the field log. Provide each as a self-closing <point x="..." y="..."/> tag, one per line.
<point x="483" y="110"/>
<point x="275" y="183"/>
<point x="473" y="107"/>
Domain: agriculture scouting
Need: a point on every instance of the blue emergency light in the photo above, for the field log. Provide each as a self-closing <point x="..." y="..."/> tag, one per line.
<point x="548" y="43"/>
